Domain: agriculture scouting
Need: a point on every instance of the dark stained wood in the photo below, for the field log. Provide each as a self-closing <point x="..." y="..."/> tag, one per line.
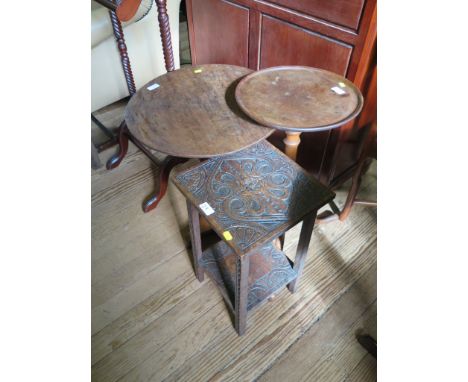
<point x="242" y="289"/>
<point x="298" y="98"/>
<point x="343" y="163"/>
<point x="368" y="343"/>
<point x="369" y="151"/>
<point x="193" y="113"/>
<point x="300" y="46"/>
<point x="250" y="198"/>
<point x="302" y="247"/>
<point x="103" y="128"/>
<point x="320" y="35"/>
<point x="269" y="271"/>
<point x="95" y="161"/>
<point x="195" y="236"/>
<point x="363" y="46"/>
<point x="164" y="29"/>
<point x="342" y="12"/>
<point x="232" y="41"/>
<point x="257" y="194"/>
<point x="368" y="52"/>
<point x="124" y="134"/>
<point x="164" y="171"/>
<point x="216" y="133"/>
<point x="115" y="160"/>
<point x="127" y="69"/>
<point x="126" y="66"/>
<point x="255" y="21"/>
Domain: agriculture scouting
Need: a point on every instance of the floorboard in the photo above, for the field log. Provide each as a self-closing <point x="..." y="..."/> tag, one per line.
<point x="153" y="321"/>
<point x="318" y="343"/>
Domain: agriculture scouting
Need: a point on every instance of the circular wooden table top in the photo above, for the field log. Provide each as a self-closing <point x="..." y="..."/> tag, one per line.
<point x="192" y="113"/>
<point x="298" y="98"/>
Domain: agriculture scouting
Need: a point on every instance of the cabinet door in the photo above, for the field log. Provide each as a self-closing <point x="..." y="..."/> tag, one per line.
<point x="282" y="43"/>
<point x="341" y="12"/>
<point x="219" y="32"/>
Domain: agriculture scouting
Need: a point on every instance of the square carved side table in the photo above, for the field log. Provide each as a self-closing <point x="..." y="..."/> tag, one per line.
<point x="249" y="199"/>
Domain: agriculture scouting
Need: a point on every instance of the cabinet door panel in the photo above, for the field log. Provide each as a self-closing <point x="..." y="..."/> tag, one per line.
<point x="286" y="44"/>
<point x="220" y="33"/>
<point x="342" y="12"/>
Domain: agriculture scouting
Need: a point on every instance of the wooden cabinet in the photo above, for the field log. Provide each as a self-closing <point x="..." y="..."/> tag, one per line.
<point x="300" y="47"/>
<point x="340" y="12"/>
<point x="230" y="23"/>
<point x="337" y="35"/>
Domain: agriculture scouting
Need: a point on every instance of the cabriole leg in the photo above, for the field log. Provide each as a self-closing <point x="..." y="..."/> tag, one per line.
<point x="169" y="163"/>
<point x="115" y="160"/>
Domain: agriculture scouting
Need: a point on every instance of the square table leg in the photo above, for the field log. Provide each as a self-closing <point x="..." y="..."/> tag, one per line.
<point x="302" y="247"/>
<point x="242" y="278"/>
<point x="195" y="237"/>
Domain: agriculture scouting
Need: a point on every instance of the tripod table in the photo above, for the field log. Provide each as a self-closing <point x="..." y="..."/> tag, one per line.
<point x="298" y="99"/>
<point x="188" y="113"/>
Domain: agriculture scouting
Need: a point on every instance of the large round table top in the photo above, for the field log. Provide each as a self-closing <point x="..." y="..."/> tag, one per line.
<point x="298" y="98"/>
<point x="192" y="113"/>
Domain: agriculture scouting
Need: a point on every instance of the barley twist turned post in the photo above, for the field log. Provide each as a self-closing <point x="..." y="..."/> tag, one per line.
<point x="165" y="31"/>
<point x="126" y="66"/>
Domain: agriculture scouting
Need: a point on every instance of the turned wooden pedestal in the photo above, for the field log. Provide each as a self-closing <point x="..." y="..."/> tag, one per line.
<point x="298" y="99"/>
<point x="249" y="199"/>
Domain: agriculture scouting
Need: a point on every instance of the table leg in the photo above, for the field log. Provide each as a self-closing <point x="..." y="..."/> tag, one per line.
<point x="302" y="247"/>
<point x="242" y="272"/>
<point x="195" y="237"/>
<point x="165" y="170"/>
<point x="115" y="160"/>
<point x="95" y="161"/>
<point x="292" y="141"/>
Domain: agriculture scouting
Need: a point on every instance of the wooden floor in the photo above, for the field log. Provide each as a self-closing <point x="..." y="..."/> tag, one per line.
<point x="153" y="321"/>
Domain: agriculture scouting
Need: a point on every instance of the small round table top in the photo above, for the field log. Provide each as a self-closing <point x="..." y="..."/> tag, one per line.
<point x="298" y="98"/>
<point x="192" y="113"/>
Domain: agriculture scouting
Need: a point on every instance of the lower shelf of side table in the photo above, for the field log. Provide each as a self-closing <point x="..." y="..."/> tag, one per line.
<point x="269" y="271"/>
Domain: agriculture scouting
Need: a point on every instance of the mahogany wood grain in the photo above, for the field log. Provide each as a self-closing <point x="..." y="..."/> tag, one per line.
<point x="341" y="12"/>
<point x="353" y="137"/>
<point x="255" y="21"/>
<point x="319" y="35"/>
<point x="164" y="172"/>
<point x="165" y="31"/>
<point x="115" y="160"/>
<point x="300" y="46"/>
<point x="127" y="10"/>
<point x="193" y="113"/>
<point x="122" y="46"/>
<point x="232" y="33"/>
